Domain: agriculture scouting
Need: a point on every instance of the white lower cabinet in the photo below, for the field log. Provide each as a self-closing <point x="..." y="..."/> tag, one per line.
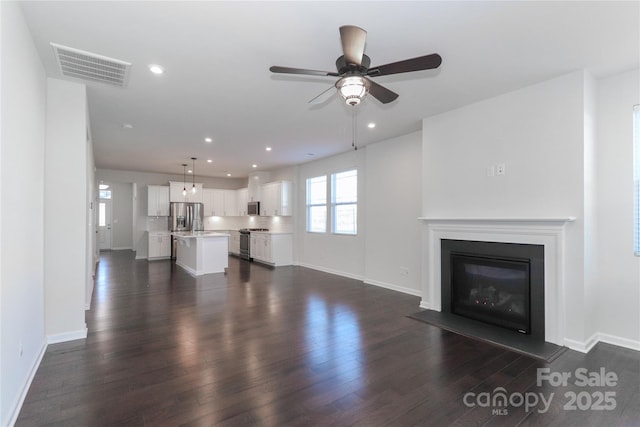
<point x="234" y="242"/>
<point x="159" y="246"/>
<point x="273" y="249"/>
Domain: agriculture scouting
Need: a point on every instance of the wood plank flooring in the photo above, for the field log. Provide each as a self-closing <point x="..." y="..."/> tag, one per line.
<point x="292" y="347"/>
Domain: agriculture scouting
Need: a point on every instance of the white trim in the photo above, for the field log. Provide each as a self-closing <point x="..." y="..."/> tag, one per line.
<point x="330" y="271"/>
<point x="548" y="232"/>
<point x="67" y="336"/>
<point x="619" y="341"/>
<point x="393" y="287"/>
<point x="123" y="248"/>
<point x="499" y="220"/>
<point x="582" y="347"/>
<point x="25" y="389"/>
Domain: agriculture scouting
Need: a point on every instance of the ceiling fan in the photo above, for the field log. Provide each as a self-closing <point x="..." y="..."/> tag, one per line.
<point x="354" y="69"/>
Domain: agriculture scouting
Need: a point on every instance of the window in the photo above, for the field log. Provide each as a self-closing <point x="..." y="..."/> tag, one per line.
<point x="105" y="194"/>
<point x="344" y="202"/>
<point x="102" y="214"/>
<point x="636" y="179"/>
<point x="317" y="204"/>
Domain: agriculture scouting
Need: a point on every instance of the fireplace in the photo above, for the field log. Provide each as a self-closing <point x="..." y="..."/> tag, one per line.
<point x="500" y="284"/>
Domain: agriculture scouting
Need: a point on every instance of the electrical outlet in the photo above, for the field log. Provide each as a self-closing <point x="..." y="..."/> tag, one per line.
<point x="501" y="169"/>
<point x="404" y="271"/>
<point x="491" y="170"/>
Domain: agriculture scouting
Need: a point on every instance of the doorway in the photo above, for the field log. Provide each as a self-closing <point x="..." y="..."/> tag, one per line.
<point x="104" y="224"/>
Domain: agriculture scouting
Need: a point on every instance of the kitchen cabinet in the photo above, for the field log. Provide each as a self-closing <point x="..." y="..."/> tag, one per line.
<point x="159" y="246"/>
<point x="272" y="248"/>
<point x="234" y="242"/>
<point x="213" y="200"/>
<point x="276" y="199"/>
<point x="219" y="202"/>
<point x="175" y="192"/>
<point x="157" y="200"/>
<point x="242" y="199"/>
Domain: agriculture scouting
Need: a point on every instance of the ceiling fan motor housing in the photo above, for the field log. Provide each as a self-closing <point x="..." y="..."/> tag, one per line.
<point x="345" y="68"/>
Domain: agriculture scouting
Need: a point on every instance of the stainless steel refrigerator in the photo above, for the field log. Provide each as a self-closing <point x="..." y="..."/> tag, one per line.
<point x="185" y="217"/>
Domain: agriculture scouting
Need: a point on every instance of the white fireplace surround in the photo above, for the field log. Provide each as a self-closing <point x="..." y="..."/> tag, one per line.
<point x="549" y="232"/>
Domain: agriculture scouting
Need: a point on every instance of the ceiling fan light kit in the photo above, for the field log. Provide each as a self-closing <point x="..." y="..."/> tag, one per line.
<point x="353" y="89"/>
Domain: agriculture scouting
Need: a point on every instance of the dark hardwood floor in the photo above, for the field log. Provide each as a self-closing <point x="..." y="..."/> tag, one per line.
<point x="296" y="347"/>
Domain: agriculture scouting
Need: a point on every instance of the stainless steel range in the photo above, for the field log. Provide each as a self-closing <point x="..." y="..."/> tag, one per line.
<point x="245" y="241"/>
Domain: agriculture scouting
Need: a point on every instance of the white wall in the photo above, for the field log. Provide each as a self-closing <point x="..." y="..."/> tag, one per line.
<point x="393" y="204"/>
<point x="23" y="85"/>
<point x="339" y="254"/>
<point x="538" y="133"/>
<point x="618" y="269"/>
<point x="66" y="205"/>
<point x="121" y="216"/>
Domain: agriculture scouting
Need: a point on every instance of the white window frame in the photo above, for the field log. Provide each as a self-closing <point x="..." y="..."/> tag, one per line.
<point x="336" y="204"/>
<point x="310" y="205"/>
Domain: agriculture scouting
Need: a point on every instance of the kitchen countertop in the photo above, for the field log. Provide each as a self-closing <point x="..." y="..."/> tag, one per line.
<point x="198" y="234"/>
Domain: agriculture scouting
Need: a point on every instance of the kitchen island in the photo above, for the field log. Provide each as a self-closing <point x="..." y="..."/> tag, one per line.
<point x="202" y="252"/>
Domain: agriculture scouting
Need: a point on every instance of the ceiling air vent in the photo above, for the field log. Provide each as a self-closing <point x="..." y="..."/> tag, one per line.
<point x="90" y="66"/>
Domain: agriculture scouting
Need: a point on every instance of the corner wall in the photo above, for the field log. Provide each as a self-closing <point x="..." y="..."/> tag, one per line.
<point x="66" y="204"/>
<point x="618" y="292"/>
<point x="23" y="86"/>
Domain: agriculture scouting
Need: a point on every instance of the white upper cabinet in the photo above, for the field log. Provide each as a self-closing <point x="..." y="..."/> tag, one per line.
<point x="242" y="199"/>
<point x="175" y="192"/>
<point x="230" y="203"/>
<point x="213" y="202"/>
<point x="219" y="202"/>
<point x="157" y="200"/>
<point x="276" y="199"/>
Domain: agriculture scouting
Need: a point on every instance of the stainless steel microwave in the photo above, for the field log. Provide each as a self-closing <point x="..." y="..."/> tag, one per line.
<point x="253" y="208"/>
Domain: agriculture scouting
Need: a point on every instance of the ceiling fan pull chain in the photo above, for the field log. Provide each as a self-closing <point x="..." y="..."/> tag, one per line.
<point x="354" y="128"/>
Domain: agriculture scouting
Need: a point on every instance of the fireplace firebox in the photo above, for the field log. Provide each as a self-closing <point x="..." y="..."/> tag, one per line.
<point x="501" y="284"/>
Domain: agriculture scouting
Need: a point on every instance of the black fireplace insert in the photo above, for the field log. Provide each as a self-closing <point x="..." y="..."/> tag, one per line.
<point x="496" y="283"/>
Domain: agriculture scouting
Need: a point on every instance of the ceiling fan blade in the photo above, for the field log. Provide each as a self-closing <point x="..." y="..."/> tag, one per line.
<point x="353" y="41"/>
<point x="326" y="94"/>
<point x="381" y="93"/>
<point x="289" y="70"/>
<point x="426" y="62"/>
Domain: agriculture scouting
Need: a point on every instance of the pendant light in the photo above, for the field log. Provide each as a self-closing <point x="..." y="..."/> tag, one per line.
<point x="193" y="188"/>
<point x="184" y="179"/>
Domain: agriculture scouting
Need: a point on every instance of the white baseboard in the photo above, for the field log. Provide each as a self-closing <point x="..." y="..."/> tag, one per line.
<point x="619" y="341"/>
<point x="393" y="287"/>
<point x="586" y="346"/>
<point x="331" y="271"/>
<point x="425" y="304"/>
<point x="15" y="411"/>
<point x="140" y="257"/>
<point x="67" y="336"/>
<point x="129" y="248"/>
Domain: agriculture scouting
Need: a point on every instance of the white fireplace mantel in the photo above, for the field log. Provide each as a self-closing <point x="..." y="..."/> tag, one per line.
<point x="546" y="231"/>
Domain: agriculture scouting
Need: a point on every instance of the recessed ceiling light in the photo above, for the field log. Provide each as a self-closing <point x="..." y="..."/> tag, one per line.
<point x="127" y="126"/>
<point x="254" y="166"/>
<point x="371" y="125"/>
<point x="189" y="171"/>
<point x="156" y="69"/>
<point x="268" y="148"/>
<point x="209" y="160"/>
<point x="103" y="186"/>
<point x="228" y="174"/>
<point x="208" y="140"/>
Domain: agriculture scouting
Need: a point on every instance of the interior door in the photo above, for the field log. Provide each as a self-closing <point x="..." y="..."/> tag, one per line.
<point x="104" y="224"/>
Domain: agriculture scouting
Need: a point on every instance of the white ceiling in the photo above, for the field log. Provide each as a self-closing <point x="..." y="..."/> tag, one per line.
<point x="217" y="81"/>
